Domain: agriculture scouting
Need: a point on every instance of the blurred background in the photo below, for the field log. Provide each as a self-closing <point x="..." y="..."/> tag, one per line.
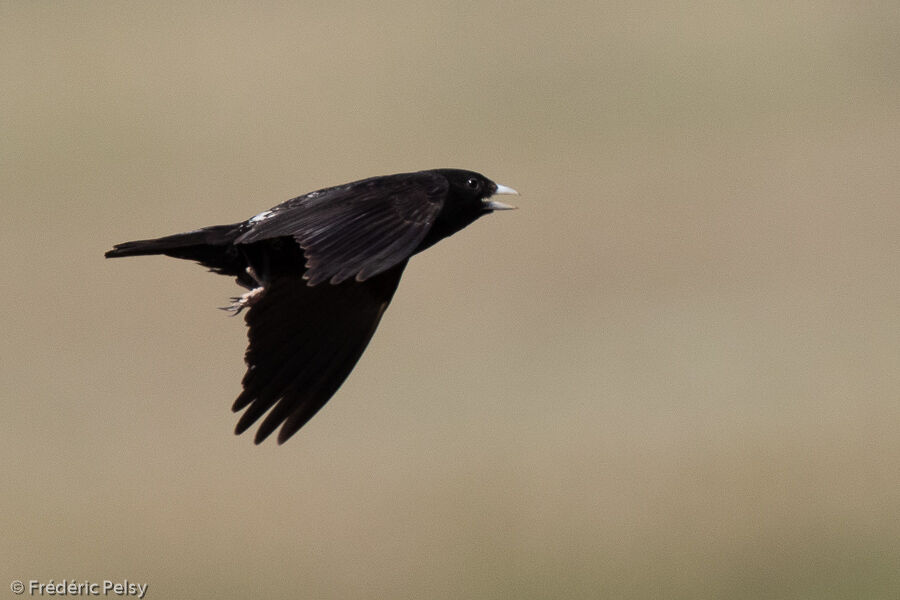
<point x="674" y="372"/>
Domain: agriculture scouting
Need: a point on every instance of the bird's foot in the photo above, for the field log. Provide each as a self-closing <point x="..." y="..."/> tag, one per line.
<point x="239" y="303"/>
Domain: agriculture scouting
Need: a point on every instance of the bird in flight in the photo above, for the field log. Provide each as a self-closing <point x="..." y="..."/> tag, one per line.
<point x="321" y="269"/>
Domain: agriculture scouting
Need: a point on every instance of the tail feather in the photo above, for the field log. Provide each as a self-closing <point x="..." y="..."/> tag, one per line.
<point x="219" y="235"/>
<point x="212" y="247"/>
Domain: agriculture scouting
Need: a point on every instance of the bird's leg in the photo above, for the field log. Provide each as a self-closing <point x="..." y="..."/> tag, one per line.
<point x="252" y="273"/>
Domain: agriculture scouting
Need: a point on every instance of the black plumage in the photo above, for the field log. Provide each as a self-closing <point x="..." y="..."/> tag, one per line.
<point x="321" y="269"/>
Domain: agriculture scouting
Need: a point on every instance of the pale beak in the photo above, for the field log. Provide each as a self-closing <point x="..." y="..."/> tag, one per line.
<point x="496" y="205"/>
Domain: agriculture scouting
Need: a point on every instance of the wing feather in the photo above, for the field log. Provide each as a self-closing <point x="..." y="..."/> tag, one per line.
<point x="358" y="230"/>
<point x="303" y="343"/>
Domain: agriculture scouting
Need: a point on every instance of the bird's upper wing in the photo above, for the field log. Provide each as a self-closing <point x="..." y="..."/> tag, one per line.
<point x="304" y="341"/>
<point x="356" y="230"/>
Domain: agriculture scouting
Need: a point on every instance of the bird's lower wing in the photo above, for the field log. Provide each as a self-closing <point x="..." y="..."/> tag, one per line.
<point x="304" y="341"/>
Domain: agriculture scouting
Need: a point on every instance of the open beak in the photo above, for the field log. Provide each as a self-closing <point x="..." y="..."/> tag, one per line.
<point x="496" y="205"/>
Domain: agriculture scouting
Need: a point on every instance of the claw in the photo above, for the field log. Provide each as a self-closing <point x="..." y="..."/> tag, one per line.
<point x="239" y="303"/>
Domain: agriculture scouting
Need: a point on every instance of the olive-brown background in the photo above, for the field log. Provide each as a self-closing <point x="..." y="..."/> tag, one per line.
<point x="673" y="373"/>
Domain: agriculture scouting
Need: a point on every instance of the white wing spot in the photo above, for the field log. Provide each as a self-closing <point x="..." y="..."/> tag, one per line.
<point x="262" y="216"/>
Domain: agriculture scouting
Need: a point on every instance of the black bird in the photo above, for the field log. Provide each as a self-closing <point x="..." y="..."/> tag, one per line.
<point x="321" y="270"/>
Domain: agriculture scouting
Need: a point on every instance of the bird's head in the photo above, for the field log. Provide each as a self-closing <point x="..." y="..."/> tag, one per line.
<point x="475" y="192"/>
<point x="470" y="195"/>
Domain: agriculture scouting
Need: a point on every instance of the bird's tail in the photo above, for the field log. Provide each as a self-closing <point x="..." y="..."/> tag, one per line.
<point x="212" y="247"/>
<point x="180" y="245"/>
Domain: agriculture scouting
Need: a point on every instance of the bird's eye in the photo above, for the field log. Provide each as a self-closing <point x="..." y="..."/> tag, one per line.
<point x="473" y="184"/>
